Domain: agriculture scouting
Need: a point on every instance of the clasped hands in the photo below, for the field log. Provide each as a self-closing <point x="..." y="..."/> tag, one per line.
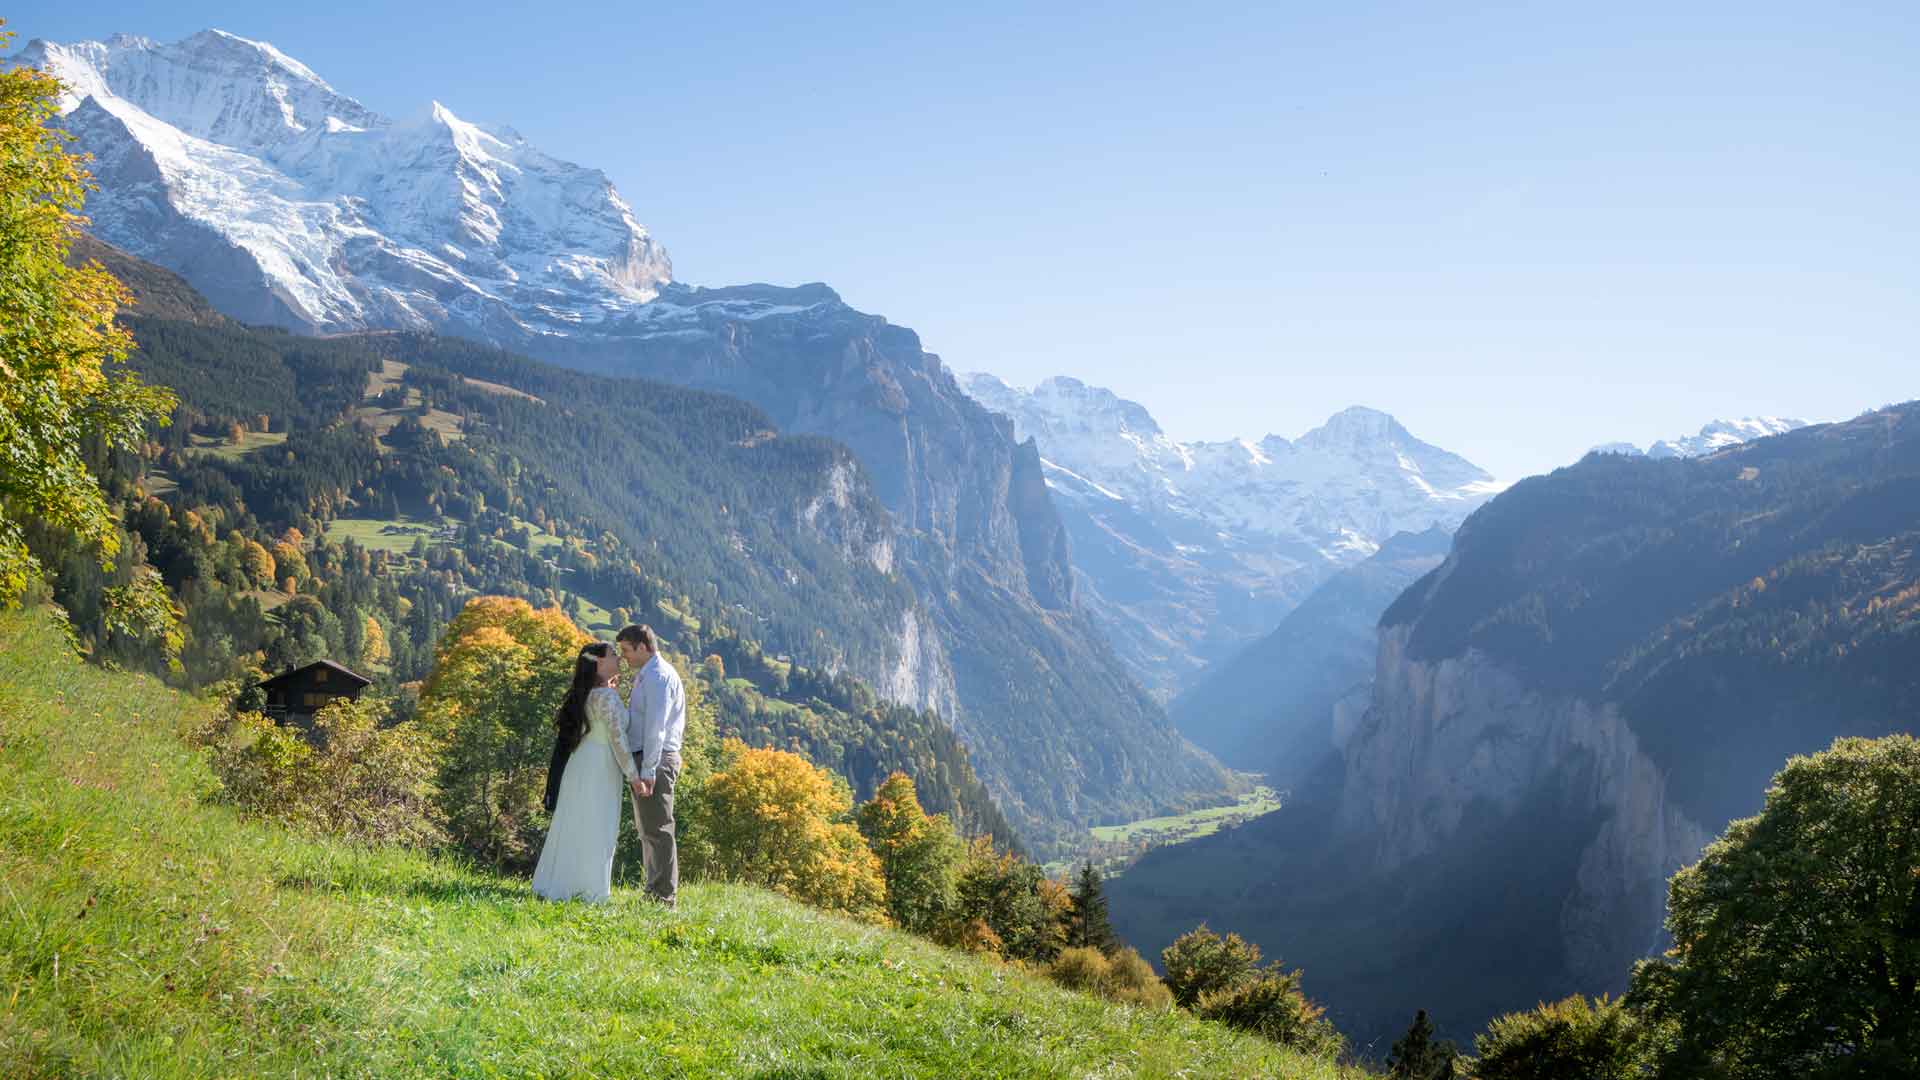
<point x="642" y="788"/>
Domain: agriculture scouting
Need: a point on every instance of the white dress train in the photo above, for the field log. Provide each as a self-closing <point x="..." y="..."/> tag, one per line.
<point x="576" y="862"/>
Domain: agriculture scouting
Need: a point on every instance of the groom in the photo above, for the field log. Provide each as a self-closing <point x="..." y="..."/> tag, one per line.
<point x="656" y="722"/>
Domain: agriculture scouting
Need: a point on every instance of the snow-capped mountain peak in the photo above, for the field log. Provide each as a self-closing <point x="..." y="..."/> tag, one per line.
<point x="1339" y="489"/>
<point x="1714" y="436"/>
<point x="1207" y="545"/>
<point x="230" y="161"/>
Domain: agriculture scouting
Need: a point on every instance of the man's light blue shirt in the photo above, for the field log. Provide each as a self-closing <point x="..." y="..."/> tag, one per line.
<point x="656" y="714"/>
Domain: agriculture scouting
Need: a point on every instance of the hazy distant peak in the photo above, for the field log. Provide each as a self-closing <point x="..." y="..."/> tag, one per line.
<point x="1341" y="489"/>
<point x="1714" y="436"/>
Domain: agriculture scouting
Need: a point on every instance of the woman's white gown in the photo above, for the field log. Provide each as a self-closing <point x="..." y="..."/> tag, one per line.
<point x="576" y="862"/>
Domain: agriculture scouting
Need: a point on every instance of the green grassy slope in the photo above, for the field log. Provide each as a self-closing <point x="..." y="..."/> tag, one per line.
<point x="147" y="933"/>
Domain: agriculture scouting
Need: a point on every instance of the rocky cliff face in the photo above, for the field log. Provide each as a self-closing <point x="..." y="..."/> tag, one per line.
<point x="1449" y="738"/>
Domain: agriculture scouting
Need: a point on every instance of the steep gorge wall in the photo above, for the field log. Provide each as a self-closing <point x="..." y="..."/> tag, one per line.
<point x="1446" y="739"/>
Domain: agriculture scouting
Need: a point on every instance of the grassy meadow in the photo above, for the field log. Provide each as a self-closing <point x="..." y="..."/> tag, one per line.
<point x="1193" y="824"/>
<point x="150" y="933"/>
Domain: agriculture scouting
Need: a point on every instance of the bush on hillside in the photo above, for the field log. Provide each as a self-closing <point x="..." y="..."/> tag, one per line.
<point x="971" y="936"/>
<point x="1124" y="977"/>
<point x="349" y="777"/>
<point x="1271" y="1005"/>
<point x="1201" y="962"/>
<point x="1014" y="898"/>
<point x="1796" y="938"/>
<point x="1571" y="1037"/>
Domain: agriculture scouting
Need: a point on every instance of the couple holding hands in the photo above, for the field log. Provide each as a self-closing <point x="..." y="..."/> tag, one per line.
<point x="603" y="744"/>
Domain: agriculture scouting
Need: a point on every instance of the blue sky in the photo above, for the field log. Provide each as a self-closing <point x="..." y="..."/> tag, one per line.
<point x="1521" y="228"/>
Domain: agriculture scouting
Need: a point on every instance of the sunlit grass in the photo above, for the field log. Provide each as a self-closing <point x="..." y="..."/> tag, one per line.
<point x="1195" y="823"/>
<point x="147" y="933"/>
<point x="249" y="442"/>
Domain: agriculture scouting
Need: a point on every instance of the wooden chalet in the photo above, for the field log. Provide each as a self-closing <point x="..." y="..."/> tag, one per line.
<point x="296" y="695"/>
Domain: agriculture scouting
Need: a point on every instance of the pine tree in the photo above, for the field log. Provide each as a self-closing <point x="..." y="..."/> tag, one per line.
<point x="1090" y="926"/>
<point x="1416" y="1056"/>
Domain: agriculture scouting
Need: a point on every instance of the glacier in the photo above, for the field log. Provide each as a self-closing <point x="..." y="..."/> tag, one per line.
<point x="292" y="204"/>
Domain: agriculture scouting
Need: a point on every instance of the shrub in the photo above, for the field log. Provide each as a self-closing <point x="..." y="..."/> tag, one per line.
<point x="969" y="936"/>
<point x="1125" y="976"/>
<point x="1797" y="935"/>
<point x="350" y="777"/>
<point x="1201" y="962"/>
<point x="1132" y="981"/>
<point x="1015" y="899"/>
<point x="1081" y="968"/>
<point x="1271" y="1005"/>
<point x="1567" y="1038"/>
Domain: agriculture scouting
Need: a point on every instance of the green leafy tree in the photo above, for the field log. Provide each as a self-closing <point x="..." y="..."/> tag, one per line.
<point x="1417" y="1055"/>
<point x="1088" y="924"/>
<point x="1797" y="935"/>
<point x="1201" y="962"/>
<point x="60" y="348"/>
<point x="919" y="854"/>
<point x="1569" y="1038"/>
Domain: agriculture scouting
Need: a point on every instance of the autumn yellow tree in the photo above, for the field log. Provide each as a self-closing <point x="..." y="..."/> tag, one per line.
<point x="499" y="674"/>
<point x="375" y="652"/>
<point x="258" y="564"/>
<point x="289" y="562"/>
<point x="779" y="821"/>
<point x="61" y="385"/>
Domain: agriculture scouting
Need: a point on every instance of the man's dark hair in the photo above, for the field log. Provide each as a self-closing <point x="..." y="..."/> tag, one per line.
<point x="640" y="635"/>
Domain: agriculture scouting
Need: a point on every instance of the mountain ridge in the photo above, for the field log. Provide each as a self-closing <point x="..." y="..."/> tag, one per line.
<point x="1190" y="551"/>
<point x="1713" y="437"/>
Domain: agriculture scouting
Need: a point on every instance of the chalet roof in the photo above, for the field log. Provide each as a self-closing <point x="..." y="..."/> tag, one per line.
<point x="304" y="668"/>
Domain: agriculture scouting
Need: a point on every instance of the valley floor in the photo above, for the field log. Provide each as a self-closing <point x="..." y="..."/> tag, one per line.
<point x="1114" y="848"/>
<point x="150" y="934"/>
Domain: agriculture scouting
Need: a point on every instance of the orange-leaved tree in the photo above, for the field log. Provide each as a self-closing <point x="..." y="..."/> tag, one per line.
<point x="778" y="820"/>
<point x="499" y="674"/>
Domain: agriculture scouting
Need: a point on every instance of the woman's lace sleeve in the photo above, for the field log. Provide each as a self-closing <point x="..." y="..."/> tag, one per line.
<point x="608" y="709"/>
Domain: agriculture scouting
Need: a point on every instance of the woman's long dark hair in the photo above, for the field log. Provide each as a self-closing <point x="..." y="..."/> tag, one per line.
<point x="571" y="720"/>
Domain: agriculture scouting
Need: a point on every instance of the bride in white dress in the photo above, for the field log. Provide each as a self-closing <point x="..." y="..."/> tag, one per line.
<point x="576" y="862"/>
